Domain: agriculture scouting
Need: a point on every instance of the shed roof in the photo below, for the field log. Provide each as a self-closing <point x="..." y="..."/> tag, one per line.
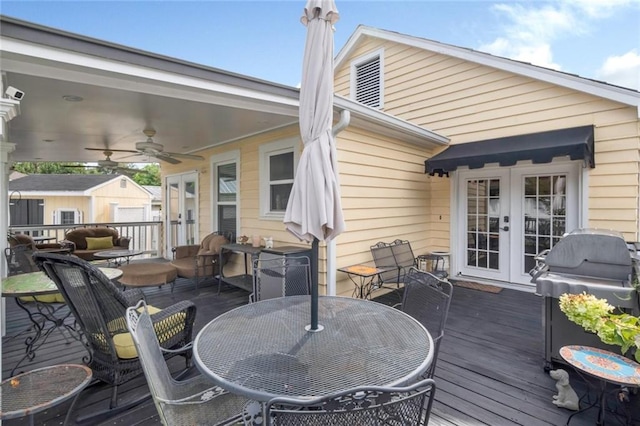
<point x="59" y="182"/>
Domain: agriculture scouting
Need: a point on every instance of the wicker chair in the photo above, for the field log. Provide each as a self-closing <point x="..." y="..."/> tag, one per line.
<point x="362" y="406"/>
<point x="99" y="308"/>
<point x="200" y="260"/>
<point x="194" y="401"/>
<point x="282" y="276"/>
<point x="427" y="298"/>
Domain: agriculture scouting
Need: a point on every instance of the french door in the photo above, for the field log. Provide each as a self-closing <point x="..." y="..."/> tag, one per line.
<point x="181" y="210"/>
<point x="509" y="215"/>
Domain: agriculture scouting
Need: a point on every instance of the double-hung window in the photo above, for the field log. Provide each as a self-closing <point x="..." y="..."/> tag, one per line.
<point x="226" y="194"/>
<point x="278" y="161"/>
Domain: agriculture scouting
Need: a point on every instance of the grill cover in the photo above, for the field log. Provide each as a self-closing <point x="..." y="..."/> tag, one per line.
<point x="591" y="252"/>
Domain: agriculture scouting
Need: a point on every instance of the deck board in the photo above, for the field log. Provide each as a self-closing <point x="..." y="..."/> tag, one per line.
<point x="489" y="369"/>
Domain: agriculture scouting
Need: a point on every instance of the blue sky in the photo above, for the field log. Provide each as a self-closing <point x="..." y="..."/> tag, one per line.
<point x="592" y="38"/>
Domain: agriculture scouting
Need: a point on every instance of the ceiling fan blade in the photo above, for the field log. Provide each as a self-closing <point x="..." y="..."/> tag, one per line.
<point x="185" y="156"/>
<point x="112" y="150"/>
<point x="163" y="157"/>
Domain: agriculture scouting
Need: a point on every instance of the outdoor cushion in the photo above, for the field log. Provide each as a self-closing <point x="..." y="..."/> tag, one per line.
<point x="99" y="243"/>
<point x="125" y="348"/>
<point x="45" y="298"/>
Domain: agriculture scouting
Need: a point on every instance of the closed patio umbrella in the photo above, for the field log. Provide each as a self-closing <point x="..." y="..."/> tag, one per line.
<point x="314" y="211"/>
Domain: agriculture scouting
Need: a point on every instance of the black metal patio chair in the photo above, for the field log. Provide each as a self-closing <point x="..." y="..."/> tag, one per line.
<point x="194" y="401"/>
<point x="427" y="299"/>
<point x="99" y="308"/>
<point x="281" y="276"/>
<point x="361" y="406"/>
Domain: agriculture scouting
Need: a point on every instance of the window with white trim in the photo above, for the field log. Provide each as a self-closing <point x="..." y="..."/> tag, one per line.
<point x="67" y="216"/>
<point x="226" y="192"/>
<point x="278" y="162"/>
<point x="367" y="82"/>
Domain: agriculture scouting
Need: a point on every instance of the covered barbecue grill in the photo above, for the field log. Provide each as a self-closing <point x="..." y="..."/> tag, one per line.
<point x="593" y="261"/>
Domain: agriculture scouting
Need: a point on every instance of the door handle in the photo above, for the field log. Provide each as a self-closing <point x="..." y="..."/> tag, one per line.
<point x="505" y="228"/>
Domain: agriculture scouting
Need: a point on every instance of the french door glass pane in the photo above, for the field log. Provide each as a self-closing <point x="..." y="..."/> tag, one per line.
<point x="483" y="223"/>
<point x="544" y="215"/>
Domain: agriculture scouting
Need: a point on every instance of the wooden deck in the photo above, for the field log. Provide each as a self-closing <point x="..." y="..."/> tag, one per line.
<point x="489" y="371"/>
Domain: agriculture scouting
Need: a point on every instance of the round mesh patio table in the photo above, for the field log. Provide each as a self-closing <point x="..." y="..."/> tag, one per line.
<point x="29" y="393"/>
<point x="262" y="350"/>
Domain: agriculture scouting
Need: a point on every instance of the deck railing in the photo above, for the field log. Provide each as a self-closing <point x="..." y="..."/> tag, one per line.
<point x="145" y="236"/>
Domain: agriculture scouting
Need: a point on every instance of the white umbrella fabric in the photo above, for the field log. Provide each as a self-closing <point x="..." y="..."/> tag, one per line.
<point x="314" y="211"/>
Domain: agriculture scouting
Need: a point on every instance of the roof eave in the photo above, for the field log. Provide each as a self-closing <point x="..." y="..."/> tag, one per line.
<point x="601" y="89"/>
<point x="388" y="125"/>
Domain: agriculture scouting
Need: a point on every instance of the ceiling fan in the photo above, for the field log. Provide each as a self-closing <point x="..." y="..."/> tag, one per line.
<point x="153" y="149"/>
<point x="108" y="164"/>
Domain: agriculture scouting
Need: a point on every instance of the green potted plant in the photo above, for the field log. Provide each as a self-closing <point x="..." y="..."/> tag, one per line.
<point x="597" y="316"/>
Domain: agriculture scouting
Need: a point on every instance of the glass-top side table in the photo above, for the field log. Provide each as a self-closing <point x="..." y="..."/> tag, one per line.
<point x="34" y="391"/>
<point x="605" y="366"/>
<point x="44" y="316"/>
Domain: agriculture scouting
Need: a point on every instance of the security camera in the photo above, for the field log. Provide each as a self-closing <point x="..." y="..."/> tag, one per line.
<point x="14" y="93"/>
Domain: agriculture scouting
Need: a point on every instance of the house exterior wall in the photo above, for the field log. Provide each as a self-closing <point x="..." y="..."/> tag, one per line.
<point x="98" y="201"/>
<point x="384" y="196"/>
<point x="53" y="203"/>
<point x="469" y="102"/>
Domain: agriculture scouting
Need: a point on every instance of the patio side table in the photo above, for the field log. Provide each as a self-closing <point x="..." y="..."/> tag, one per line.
<point x="605" y="366"/>
<point x="44" y="317"/>
<point x="34" y="391"/>
<point x="363" y="277"/>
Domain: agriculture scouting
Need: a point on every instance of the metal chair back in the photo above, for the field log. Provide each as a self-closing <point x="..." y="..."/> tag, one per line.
<point x="187" y="402"/>
<point x="99" y="308"/>
<point x="383" y="258"/>
<point x="151" y="358"/>
<point x="427" y="299"/>
<point x="362" y="406"/>
<point x="20" y="260"/>
<point x="281" y="276"/>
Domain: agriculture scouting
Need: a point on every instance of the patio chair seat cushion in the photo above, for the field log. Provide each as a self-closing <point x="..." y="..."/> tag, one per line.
<point x="125" y="348"/>
<point x="45" y="298"/>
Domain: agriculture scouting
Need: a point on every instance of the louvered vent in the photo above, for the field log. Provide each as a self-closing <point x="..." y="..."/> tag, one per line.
<point x="368" y="83"/>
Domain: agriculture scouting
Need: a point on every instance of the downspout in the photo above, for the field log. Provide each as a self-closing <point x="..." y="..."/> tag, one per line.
<point x="345" y="118"/>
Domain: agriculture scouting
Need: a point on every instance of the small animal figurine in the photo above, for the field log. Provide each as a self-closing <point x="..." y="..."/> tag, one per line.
<point x="243" y="239"/>
<point x="268" y="242"/>
<point x="566" y="397"/>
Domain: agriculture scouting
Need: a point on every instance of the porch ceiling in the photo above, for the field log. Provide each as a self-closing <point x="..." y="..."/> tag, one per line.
<point x="125" y="91"/>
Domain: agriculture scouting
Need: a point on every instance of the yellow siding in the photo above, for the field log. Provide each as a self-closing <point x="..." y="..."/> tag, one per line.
<point x="469" y="102"/>
<point x="130" y="196"/>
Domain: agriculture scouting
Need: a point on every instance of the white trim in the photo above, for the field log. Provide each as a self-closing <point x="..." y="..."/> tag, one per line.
<point x="356" y="62"/>
<point x="615" y="93"/>
<point x="280" y="146"/>
<point x="67" y="65"/>
<point x="228" y="157"/>
<point x="57" y="215"/>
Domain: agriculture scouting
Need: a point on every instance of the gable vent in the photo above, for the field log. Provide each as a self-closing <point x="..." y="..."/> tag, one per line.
<point x="368" y="82"/>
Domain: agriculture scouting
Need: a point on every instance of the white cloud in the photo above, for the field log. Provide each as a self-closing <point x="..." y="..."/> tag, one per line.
<point x="530" y="29"/>
<point x="622" y="70"/>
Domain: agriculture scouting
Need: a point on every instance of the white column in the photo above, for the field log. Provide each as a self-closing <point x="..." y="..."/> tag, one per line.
<point x="8" y="109"/>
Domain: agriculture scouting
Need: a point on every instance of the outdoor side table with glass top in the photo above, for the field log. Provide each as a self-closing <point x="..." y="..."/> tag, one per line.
<point x="262" y="350"/>
<point x="27" y="289"/>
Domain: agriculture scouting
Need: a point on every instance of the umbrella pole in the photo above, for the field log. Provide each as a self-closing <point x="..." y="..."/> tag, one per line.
<point x="314" y="286"/>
